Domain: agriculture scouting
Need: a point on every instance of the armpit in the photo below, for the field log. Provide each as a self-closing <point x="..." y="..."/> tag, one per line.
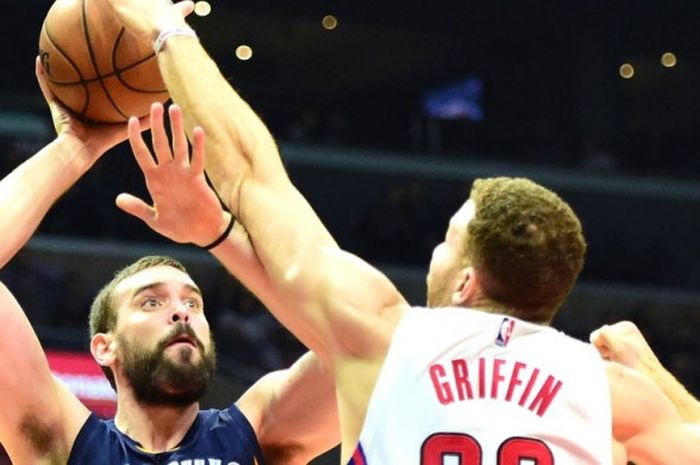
<point x="288" y="454"/>
<point x="44" y="439"/>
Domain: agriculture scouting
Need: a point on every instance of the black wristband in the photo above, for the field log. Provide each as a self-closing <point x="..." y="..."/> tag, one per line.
<point x="223" y="236"/>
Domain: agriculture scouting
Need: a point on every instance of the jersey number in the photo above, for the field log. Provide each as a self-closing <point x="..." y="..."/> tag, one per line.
<point x="467" y="451"/>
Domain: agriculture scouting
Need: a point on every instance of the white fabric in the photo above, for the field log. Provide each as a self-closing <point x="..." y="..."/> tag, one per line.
<point x="168" y="33"/>
<point x="413" y="416"/>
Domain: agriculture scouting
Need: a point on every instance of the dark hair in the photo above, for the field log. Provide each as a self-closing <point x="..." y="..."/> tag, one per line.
<point x="103" y="317"/>
<point x="527" y="244"/>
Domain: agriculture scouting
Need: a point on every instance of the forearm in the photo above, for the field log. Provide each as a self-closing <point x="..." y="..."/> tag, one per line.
<point x="240" y="258"/>
<point x="687" y="406"/>
<point x="242" y="159"/>
<point x="245" y="167"/>
<point x="238" y="143"/>
<point x="28" y="192"/>
<point x="237" y="255"/>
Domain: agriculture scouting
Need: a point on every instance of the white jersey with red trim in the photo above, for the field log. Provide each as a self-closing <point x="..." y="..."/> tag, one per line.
<point x="464" y="387"/>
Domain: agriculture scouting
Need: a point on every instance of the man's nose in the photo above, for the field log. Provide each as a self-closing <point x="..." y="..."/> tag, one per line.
<point x="180" y="313"/>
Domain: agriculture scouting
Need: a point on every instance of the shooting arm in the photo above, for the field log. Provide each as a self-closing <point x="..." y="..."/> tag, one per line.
<point x="40" y="417"/>
<point x="28" y="192"/>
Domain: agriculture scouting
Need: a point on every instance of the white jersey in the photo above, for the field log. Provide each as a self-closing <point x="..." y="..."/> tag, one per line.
<point x="463" y="387"/>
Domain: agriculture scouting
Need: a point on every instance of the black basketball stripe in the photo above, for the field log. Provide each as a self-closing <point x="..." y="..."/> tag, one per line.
<point x="81" y="82"/>
<point x="100" y="79"/>
<point x="118" y="72"/>
<point x="115" y="73"/>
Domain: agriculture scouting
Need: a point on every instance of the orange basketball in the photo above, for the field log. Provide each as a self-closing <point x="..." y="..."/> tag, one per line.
<point x="96" y="68"/>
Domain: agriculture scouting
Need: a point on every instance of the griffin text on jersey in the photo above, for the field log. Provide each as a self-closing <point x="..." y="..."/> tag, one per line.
<point x="494" y="378"/>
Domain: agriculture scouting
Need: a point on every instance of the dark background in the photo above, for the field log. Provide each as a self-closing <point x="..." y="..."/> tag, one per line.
<point x="550" y="71"/>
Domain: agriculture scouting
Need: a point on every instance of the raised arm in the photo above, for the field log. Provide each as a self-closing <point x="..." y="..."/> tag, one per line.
<point x="624" y="343"/>
<point x="335" y="303"/>
<point x="185" y="209"/>
<point x="27" y="193"/>
<point x="40" y="417"/>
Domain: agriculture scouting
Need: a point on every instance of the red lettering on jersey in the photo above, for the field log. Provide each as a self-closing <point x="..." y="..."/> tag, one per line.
<point x="514" y="379"/>
<point x="453" y="383"/>
<point x="442" y="387"/>
<point x="545" y="396"/>
<point x="461" y="374"/>
<point x="482" y="377"/>
<point x="528" y="388"/>
<point x="496" y="377"/>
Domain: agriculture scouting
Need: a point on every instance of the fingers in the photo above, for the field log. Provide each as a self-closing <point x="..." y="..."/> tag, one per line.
<point x="136" y="207"/>
<point x="621" y="342"/>
<point x="159" y="138"/>
<point x="177" y="129"/>
<point x="596" y="335"/>
<point x="43" y="82"/>
<point x="600" y="341"/>
<point x="145" y="123"/>
<point x="138" y="146"/>
<point x="185" y="8"/>
<point x="198" y="159"/>
<point x="615" y="332"/>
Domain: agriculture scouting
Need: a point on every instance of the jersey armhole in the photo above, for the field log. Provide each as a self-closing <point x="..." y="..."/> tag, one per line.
<point x="84" y="440"/>
<point x="249" y="434"/>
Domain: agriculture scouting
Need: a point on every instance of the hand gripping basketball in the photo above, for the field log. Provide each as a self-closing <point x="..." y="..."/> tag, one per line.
<point x="146" y="19"/>
<point x="95" y="66"/>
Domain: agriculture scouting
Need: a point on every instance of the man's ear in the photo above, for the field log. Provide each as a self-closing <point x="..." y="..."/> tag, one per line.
<point x="102" y="347"/>
<point x="468" y="287"/>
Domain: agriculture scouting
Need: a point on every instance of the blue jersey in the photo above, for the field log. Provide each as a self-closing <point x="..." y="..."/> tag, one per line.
<point x="217" y="437"/>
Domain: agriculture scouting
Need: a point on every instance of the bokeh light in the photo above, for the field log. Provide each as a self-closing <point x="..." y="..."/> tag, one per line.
<point x="329" y="22"/>
<point x="626" y="71"/>
<point x="669" y="60"/>
<point x="244" y="52"/>
<point x="202" y="8"/>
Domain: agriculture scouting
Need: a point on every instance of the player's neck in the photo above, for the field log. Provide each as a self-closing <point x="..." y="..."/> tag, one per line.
<point x="155" y="429"/>
<point x="488" y="305"/>
<point x="491" y="306"/>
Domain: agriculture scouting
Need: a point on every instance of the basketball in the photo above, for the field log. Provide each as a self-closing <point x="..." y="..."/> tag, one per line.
<point x="94" y="67"/>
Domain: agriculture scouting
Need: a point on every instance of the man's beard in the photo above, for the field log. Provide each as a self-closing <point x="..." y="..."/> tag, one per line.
<point x="158" y="381"/>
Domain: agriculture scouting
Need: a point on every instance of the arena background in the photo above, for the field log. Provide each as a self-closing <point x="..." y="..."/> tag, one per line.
<point x="383" y="122"/>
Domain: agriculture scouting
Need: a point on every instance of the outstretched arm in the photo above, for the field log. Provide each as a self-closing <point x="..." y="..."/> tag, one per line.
<point x="40" y="417"/>
<point x="335" y="303"/>
<point x="624" y="343"/>
<point x="185" y="209"/>
<point x="27" y="193"/>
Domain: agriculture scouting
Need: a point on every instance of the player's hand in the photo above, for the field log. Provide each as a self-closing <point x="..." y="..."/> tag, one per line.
<point x="623" y="343"/>
<point x="185" y="209"/>
<point x="145" y="19"/>
<point x="96" y="139"/>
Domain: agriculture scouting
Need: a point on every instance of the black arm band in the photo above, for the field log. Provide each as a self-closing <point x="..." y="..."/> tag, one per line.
<point x="223" y="236"/>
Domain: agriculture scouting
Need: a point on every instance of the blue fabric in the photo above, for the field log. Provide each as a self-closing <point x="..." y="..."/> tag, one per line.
<point x="217" y="437"/>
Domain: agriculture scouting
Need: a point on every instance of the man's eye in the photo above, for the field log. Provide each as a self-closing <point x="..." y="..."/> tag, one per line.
<point x="193" y="304"/>
<point x="151" y="303"/>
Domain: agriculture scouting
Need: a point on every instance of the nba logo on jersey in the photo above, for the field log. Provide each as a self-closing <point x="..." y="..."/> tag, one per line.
<point x="505" y="331"/>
